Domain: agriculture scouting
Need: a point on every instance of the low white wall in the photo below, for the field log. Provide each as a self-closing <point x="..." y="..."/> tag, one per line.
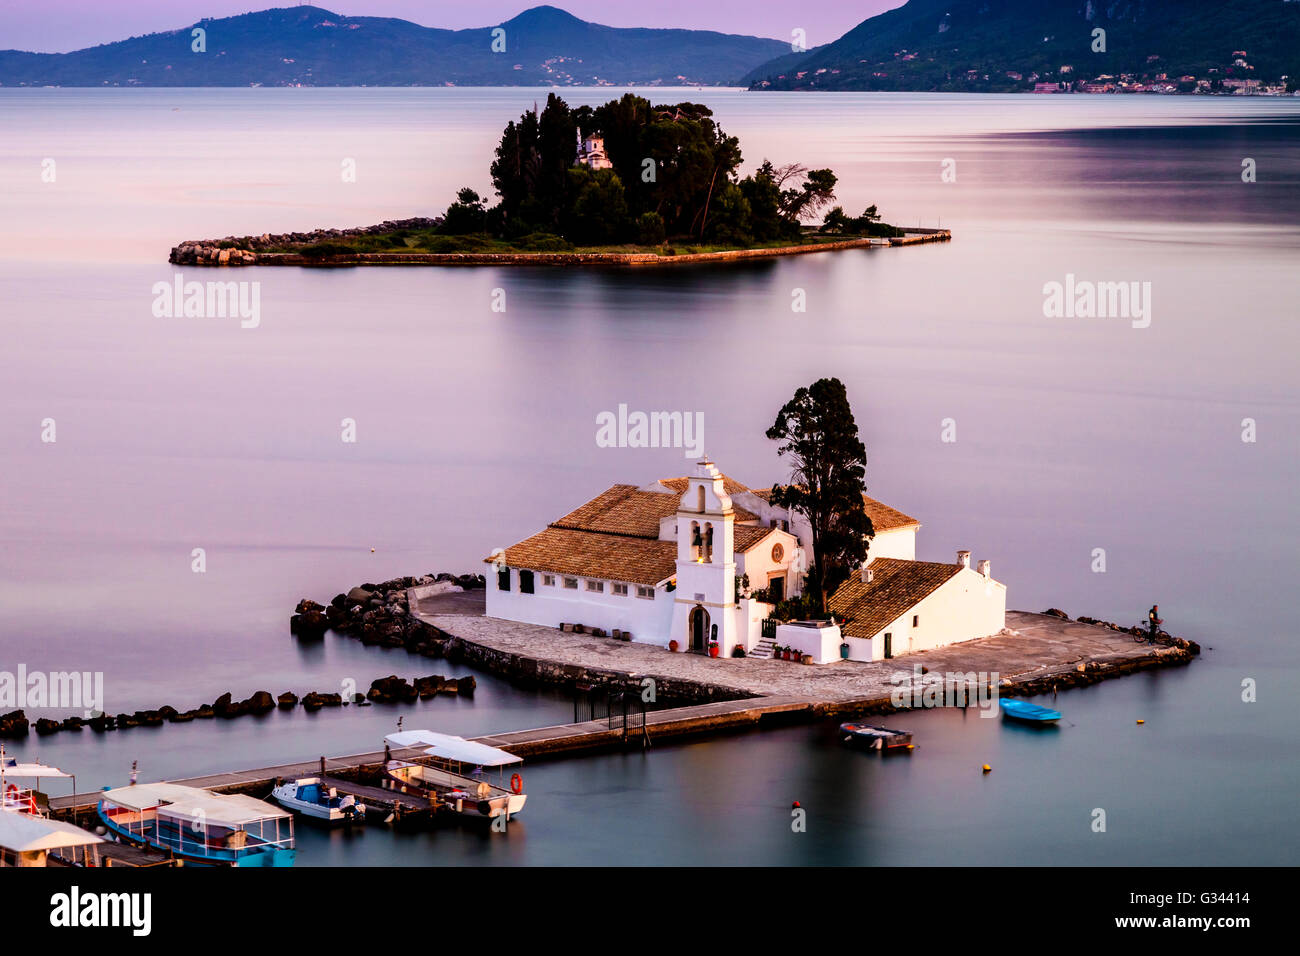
<point x="823" y="643"/>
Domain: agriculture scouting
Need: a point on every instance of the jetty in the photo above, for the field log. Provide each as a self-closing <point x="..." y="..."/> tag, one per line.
<point x="1038" y="653"/>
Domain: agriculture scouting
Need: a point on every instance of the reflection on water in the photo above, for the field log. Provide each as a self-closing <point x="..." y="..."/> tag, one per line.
<point x="474" y="427"/>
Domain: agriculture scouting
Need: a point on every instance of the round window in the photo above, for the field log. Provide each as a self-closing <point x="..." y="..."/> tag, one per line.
<point x="778" y="552"/>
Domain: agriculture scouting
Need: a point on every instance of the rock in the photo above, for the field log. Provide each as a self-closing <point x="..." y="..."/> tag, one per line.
<point x="101" y="722"/>
<point x="260" y="702"/>
<point x="223" y="706"/>
<point x="287" y="700"/>
<point x="360" y="595"/>
<point x="1057" y="612"/>
<point x="466" y="685"/>
<point x="13" y="725"/>
<point x="184" y="718"/>
<point x="46" y="726"/>
<point x="307" y="604"/>
<point x="205" y="712"/>
<point x="310" y="625"/>
<point x="389" y="689"/>
<point x="427" y="687"/>
<point x="315" y="700"/>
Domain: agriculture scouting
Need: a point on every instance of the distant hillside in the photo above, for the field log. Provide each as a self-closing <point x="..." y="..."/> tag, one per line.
<point x="972" y="45"/>
<point x="309" y="46"/>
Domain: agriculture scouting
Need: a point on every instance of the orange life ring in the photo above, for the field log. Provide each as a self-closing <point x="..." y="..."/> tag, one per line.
<point x="517" y="783"/>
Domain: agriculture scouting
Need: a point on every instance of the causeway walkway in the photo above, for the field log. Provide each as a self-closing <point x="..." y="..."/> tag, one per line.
<point x="1037" y="646"/>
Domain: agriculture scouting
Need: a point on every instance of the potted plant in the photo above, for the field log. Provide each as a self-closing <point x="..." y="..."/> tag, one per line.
<point x="807" y="659"/>
<point x="672" y="646"/>
<point x="738" y="651"/>
<point x="713" y="648"/>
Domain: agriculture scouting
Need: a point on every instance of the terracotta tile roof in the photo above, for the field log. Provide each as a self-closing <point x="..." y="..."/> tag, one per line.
<point x="622" y="510"/>
<point x="749" y="536"/>
<point x="883" y="517"/>
<point x="587" y="554"/>
<point x="896" y="586"/>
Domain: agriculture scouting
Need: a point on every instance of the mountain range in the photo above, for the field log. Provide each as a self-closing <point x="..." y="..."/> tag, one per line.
<point x="310" y="46"/>
<point x="927" y="45"/>
<point x="981" y="45"/>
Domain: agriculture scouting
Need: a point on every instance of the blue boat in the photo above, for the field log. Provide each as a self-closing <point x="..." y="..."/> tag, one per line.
<point x="1029" y="713"/>
<point x="198" y="826"/>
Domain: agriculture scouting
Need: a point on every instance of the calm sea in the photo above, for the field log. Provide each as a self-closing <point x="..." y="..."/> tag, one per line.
<point x="474" y="427"/>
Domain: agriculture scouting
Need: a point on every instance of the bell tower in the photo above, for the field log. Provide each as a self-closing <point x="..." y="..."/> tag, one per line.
<point x="704" y="605"/>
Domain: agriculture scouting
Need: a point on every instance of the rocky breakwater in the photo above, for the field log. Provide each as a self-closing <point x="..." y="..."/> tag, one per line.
<point x="379" y="614"/>
<point x="249" y="250"/>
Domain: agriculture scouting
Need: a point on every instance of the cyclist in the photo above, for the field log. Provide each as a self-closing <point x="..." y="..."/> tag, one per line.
<point x="1154" y="622"/>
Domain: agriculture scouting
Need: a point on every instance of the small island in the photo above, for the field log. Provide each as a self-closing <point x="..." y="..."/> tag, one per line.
<point x="627" y="183"/>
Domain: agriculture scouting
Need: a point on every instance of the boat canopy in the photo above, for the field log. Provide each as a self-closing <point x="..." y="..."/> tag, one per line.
<point x="24" y="833"/>
<point x="449" y="747"/>
<point x="177" y="800"/>
<point x="12" y="768"/>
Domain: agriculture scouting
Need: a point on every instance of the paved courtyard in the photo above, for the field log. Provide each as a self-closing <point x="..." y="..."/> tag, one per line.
<point x="1041" y="645"/>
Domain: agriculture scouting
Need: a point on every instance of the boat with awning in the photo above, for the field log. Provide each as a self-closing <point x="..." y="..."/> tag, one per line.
<point x="29" y="840"/>
<point x="452" y="772"/>
<point x="199" y="826"/>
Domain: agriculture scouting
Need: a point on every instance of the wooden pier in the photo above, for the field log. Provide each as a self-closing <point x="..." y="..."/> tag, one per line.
<point x="538" y="742"/>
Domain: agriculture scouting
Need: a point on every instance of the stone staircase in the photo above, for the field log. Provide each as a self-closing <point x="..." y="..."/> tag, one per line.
<point x="763" y="649"/>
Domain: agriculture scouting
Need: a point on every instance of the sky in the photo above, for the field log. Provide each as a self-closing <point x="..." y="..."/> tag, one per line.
<point x="57" y="26"/>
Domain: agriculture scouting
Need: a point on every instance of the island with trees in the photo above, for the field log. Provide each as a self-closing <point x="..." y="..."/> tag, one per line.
<point x="625" y="182"/>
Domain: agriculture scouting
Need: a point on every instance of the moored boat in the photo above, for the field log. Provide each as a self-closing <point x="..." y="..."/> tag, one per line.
<point x="312" y="798"/>
<point x="1028" y="713"/>
<point x="876" y="738"/>
<point x="438" y="772"/>
<point x="199" y="826"/>
<point x="26" y="799"/>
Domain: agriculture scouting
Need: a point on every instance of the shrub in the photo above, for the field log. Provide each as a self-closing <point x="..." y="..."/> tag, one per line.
<point x="650" y="229"/>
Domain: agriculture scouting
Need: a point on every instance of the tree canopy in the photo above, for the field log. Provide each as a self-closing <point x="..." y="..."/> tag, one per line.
<point x="819" y="439"/>
<point x="675" y="174"/>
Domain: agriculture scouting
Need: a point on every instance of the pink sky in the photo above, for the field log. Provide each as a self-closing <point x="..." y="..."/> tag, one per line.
<point x="57" y="26"/>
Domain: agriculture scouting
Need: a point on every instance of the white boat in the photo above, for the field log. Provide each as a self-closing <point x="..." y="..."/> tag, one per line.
<point x="26" y="799"/>
<point x="451" y="772"/>
<point x="311" y="798"/>
<point x="30" y="840"/>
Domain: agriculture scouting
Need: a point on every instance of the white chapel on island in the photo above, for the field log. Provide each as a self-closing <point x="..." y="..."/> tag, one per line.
<point x="702" y="560"/>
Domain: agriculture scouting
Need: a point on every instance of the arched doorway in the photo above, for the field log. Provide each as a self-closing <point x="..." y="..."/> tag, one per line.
<point x="699" y="631"/>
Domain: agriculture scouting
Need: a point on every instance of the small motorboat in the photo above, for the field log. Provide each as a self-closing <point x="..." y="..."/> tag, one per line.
<point x="311" y="798"/>
<point x="1029" y="713"/>
<point x="876" y="738"/>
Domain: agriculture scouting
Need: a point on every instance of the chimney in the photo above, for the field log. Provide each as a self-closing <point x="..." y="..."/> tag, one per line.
<point x="984" y="568"/>
<point x="867" y="574"/>
<point x="963" y="558"/>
